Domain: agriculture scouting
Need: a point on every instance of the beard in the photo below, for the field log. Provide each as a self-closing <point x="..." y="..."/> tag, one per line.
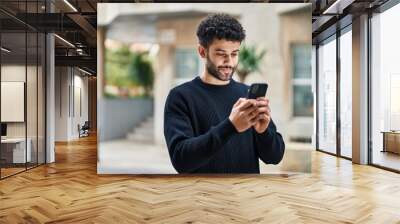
<point x="214" y="70"/>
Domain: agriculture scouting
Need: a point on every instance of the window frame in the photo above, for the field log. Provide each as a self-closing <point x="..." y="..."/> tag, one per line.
<point x="334" y="37"/>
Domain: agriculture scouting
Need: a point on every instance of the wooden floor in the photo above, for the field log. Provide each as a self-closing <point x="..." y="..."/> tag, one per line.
<point x="10" y="171"/>
<point x="70" y="191"/>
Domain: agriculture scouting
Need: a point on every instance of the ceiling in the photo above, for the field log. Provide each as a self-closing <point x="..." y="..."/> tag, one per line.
<point x="75" y="21"/>
<point x="330" y="15"/>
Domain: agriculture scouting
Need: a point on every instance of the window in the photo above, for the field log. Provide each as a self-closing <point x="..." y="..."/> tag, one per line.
<point x="186" y="64"/>
<point x="346" y="94"/>
<point x="327" y="95"/>
<point x="385" y="89"/>
<point x="302" y="92"/>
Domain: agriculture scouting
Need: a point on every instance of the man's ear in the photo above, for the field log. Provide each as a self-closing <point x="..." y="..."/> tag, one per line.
<point x="202" y="51"/>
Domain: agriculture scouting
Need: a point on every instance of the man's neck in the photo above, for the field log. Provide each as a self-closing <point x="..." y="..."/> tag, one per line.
<point x="209" y="79"/>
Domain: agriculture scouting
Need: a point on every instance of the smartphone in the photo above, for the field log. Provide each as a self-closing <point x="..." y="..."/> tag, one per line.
<point x="257" y="90"/>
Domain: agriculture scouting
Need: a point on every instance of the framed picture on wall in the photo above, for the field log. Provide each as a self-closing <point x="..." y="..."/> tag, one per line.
<point x="12" y="101"/>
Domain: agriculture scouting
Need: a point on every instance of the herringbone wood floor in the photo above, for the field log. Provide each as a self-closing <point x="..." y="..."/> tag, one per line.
<point x="70" y="191"/>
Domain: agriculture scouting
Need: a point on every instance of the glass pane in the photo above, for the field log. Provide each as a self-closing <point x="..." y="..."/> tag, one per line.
<point x="301" y="60"/>
<point x="41" y="99"/>
<point x="13" y="87"/>
<point x="31" y="98"/>
<point x="327" y="96"/>
<point x="386" y="89"/>
<point x="345" y="94"/>
<point x="303" y="101"/>
<point x="41" y="89"/>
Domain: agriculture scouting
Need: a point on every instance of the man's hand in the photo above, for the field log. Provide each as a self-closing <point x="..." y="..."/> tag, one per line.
<point x="244" y="114"/>
<point x="263" y="115"/>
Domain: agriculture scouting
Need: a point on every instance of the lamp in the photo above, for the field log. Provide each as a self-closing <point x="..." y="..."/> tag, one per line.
<point x="64" y="40"/>
<point x="70" y="5"/>
<point x="337" y="7"/>
<point x="84" y="71"/>
<point x="5" y="50"/>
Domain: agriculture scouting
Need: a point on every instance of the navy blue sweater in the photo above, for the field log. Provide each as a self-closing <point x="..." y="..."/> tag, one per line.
<point x="201" y="138"/>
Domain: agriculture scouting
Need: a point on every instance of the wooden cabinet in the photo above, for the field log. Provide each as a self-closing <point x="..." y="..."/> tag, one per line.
<point x="391" y="142"/>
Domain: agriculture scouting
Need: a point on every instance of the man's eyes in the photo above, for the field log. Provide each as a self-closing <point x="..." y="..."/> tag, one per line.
<point x="225" y="55"/>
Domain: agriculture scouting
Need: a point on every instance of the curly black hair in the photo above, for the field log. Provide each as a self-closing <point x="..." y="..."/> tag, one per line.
<point x="220" y="26"/>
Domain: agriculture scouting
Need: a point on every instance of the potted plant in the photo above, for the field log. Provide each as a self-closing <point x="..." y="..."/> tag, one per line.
<point x="249" y="61"/>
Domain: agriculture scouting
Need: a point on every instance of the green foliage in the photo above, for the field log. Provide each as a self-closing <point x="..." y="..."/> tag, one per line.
<point x="249" y="61"/>
<point x="126" y="70"/>
<point x="116" y="67"/>
<point x="141" y="72"/>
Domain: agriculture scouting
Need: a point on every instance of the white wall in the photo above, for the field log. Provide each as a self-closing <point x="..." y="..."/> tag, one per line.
<point x="61" y="103"/>
<point x="80" y="108"/>
<point x="70" y="83"/>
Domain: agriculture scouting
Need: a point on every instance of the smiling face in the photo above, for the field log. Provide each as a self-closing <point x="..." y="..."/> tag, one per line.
<point x="222" y="58"/>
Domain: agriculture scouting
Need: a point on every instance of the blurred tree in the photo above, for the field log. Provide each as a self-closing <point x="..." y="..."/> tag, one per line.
<point x="117" y="62"/>
<point x="141" y="72"/>
<point x="249" y="61"/>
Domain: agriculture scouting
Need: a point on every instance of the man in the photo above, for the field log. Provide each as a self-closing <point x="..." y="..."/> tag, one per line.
<point x="209" y="125"/>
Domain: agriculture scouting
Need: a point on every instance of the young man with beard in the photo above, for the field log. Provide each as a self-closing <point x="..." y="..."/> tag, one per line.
<point x="209" y="125"/>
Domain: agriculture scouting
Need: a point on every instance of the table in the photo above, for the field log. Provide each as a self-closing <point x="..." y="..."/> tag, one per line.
<point x="391" y="141"/>
<point x="16" y="147"/>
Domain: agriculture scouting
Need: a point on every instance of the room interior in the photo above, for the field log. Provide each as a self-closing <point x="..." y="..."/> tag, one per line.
<point x="22" y="101"/>
<point x="48" y="172"/>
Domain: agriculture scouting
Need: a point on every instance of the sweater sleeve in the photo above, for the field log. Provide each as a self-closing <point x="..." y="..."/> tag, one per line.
<point x="270" y="145"/>
<point x="187" y="151"/>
